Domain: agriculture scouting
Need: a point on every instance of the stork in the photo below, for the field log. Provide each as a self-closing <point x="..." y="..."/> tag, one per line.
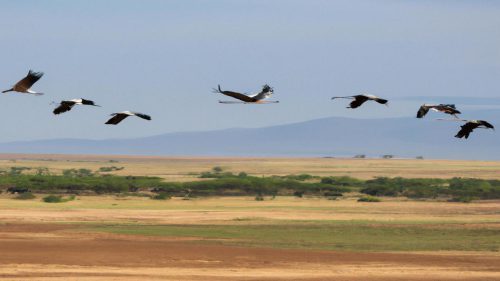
<point x="260" y="97"/>
<point x="67" y="105"/>
<point x="445" y="108"/>
<point x="24" y="85"/>
<point x="470" y="125"/>
<point x="358" y="100"/>
<point x="119" y="116"/>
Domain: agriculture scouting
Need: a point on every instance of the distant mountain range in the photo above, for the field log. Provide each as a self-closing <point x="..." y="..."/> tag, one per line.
<point x="333" y="136"/>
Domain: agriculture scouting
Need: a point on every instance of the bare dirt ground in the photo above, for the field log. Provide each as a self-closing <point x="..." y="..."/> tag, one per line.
<point x="40" y="241"/>
<point x="188" y="168"/>
<point x="51" y="252"/>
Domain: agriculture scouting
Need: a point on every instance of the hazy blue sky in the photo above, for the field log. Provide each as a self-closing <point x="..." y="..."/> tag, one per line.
<point x="164" y="57"/>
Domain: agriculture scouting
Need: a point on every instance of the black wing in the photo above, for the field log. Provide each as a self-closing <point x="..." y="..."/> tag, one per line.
<point x="486" y="124"/>
<point x="63" y="107"/>
<point x="422" y="111"/>
<point x="381" y="101"/>
<point x="116" y="119"/>
<point x="358" y="101"/>
<point x="143" y="116"/>
<point x="448" y="109"/>
<point x="30" y="79"/>
<point x="466" y="129"/>
<point x="236" y="95"/>
<point x="88" y="102"/>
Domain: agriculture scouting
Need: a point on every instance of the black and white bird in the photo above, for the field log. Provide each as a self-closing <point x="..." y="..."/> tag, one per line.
<point x="260" y="97"/>
<point x="67" y="105"/>
<point x="358" y="100"/>
<point x="445" y="108"/>
<point x="470" y="125"/>
<point x="25" y="84"/>
<point x="119" y="116"/>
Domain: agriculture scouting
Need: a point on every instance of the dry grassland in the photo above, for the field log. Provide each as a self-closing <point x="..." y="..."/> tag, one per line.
<point x="188" y="168"/>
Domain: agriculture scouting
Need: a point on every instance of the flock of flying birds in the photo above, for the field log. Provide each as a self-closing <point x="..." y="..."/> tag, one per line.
<point x="25" y="84"/>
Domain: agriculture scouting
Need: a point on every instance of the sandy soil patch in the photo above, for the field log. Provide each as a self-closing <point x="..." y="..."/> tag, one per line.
<point x="81" y="256"/>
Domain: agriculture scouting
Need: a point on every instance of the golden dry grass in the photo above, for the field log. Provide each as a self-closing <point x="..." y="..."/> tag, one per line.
<point x="187" y="168"/>
<point x="245" y="210"/>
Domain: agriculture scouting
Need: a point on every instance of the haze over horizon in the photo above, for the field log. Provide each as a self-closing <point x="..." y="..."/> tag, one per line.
<point x="164" y="57"/>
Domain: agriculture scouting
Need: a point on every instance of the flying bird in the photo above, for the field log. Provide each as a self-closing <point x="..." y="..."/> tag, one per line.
<point x="445" y="108"/>
<point x="24" y="85"/>
<point x="470" y="125"/>
<point x="67" y="105"/>
<point x="358" y="100"/>
<point x="118" y="117"/>
<point x="260" y="97"/>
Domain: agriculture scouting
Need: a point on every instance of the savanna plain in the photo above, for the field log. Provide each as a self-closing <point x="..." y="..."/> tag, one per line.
<point x="300" y="236"/>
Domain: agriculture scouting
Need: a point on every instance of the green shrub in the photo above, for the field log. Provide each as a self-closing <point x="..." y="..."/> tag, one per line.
<point x="25" y="196"/>
<point x="463" y="199"/>
<point x="298" y="194"/>
<point x="110" y="169"/>
<point x="57" y="199"/>
<point x="217" y="169"/>
<point x="259" y="198"/>
<point x="301" y="177"/>
<point x="78" y="173"/>
<point x="161" y="196"/>
<point x="369" y="199"/>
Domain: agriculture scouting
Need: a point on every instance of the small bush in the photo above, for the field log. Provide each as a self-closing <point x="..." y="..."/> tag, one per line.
<point x="369" y="199"/>
<point x="161" y="196"/>
<point x="463" y="199"/>
<point x="332" y="194"/>
<point x="57" y="199"/>
<point x="217" y="169"/>
<point x="25" y="196"/>
<point x="259" y="198"/>
<point x="110" y="169"/>
<point x="298" y="194"/>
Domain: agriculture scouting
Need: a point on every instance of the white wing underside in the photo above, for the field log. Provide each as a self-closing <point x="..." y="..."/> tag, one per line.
<point x="29" y="91"/>
<point x="243" y="102"/>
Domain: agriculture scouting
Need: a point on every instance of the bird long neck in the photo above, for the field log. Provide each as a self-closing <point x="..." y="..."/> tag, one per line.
<point x="9" y="90"/>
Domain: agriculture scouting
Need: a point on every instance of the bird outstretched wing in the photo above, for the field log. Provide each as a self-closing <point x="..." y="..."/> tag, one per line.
<point x="466" y="129"/>
<point x="88" y="102"/>
<point x="142" y="115"/>
<point x="117" y="118"/>
<point x="358" y="101"/>
<point x="235" y="95"/>
<point x="486" y="124"/>
<point x="63" y="107"/>
<point x="381" y="101"/>
<point x="30" y="79"/>
<point x="422" y="111"/>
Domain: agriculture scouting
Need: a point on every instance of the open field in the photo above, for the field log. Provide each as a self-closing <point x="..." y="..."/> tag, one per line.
<point x="188" y="168"/>
<point x="238" y="238"/>
<point x="123" y="237"/>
